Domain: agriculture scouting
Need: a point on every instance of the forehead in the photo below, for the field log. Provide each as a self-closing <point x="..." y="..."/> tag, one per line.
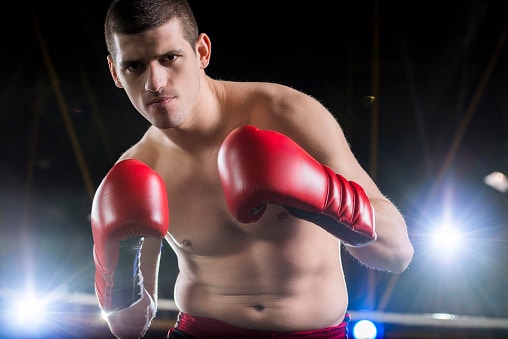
<point x="152" y="43"/>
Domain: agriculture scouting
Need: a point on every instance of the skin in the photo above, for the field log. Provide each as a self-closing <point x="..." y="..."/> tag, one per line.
<point x="280" y="273"/>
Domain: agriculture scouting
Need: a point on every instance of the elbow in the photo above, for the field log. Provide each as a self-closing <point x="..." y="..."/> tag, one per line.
<point x="393" y="258"/>
<point x="402" y="259"/>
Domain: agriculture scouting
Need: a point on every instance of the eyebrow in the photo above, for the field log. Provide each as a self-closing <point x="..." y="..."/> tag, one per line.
<point x="125" y="63"/>
<point x="178" y="51"/>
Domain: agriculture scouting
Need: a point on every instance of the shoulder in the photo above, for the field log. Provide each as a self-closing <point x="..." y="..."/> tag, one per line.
<point x="145" y="149"/>
<point x="267" y="92"/>
<point x="269" y="102"/>
<point x="294" y="113"/>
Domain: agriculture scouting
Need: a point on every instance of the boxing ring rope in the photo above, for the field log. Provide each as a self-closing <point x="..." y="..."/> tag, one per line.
<point x="79" y="312"/>
<point x="432" y="319"/>
<point x="443" y="320"/>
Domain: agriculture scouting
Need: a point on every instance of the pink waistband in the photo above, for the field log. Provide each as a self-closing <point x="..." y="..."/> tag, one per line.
<point x="210" y="328"/>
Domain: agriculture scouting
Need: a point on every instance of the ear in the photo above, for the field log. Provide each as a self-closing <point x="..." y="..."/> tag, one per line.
<point x="112" y="70"/>
<point x="203" y="50"/>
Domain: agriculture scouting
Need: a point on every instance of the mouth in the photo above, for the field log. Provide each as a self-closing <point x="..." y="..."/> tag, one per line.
<point x="159" y="100"/>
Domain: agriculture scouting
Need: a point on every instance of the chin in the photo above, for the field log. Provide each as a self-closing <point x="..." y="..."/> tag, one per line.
<point x="163" y="124"/>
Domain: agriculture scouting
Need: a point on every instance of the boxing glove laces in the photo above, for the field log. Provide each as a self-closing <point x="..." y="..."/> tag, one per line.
<point x="258" y="167"/>
<point x="129" y="205"/>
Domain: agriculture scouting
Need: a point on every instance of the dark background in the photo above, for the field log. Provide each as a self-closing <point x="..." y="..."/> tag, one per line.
<point x="438" y="128"/>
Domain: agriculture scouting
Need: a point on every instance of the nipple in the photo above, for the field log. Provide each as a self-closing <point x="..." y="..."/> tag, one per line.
<point x="184" y="243"/>
<point x="282" y="215"/>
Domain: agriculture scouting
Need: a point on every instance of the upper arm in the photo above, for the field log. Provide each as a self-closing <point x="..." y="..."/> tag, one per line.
<point x="315" y="129"/>
<point x="309" y="123"/>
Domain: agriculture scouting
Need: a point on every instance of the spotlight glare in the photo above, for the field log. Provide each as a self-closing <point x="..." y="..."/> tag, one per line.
<point x="104" y="315"/>
<point x="447" y="238"/>
<point x="29" y="309"/>
<point x="364" y="329"/>
<point x="497" y="181"/>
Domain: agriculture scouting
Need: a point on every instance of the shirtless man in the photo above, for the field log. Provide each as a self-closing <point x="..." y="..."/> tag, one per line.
<point x="253" y="185"/>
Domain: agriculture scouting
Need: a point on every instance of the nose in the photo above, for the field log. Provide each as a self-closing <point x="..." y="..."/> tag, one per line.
<point x="155" y="80"/>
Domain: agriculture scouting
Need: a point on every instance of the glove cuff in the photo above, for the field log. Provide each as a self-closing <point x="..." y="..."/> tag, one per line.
<point x="133" y="321"/>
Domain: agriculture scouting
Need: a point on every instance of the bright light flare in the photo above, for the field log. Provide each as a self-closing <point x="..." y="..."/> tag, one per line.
<point x="497" y="181"/>
<point x="104" y="315"/>
<point x="448" y="243"/>
<point x="364" y="329"/>
<point x="447" y="238"/>
<point x="28" y="309"/>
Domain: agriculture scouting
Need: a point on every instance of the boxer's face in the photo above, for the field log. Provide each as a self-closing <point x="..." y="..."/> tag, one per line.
<point x="160" y="72"/>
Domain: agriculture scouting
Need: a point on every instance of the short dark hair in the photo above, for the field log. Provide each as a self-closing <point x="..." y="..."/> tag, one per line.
<point x="138" y="16"/>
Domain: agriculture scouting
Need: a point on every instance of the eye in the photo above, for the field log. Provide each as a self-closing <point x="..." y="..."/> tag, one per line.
<point x="170" y="57"/>
<point x="133" y="67"/>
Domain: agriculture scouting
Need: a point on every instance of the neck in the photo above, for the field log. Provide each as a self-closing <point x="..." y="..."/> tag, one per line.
<point x="205" y="126"/>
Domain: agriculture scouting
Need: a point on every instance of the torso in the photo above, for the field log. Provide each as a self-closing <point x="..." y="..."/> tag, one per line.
<point x="279" y="273"/>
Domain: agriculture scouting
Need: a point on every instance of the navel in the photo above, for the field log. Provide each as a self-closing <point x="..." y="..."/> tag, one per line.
<point x="258" y="308"/>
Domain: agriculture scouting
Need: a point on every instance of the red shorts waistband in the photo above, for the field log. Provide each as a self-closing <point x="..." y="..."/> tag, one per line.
<point x="210" y="328"/>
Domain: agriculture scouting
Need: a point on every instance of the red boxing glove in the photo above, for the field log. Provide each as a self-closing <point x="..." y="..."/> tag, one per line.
<point x="129" y="204"/>
<point x="258" y="167"/>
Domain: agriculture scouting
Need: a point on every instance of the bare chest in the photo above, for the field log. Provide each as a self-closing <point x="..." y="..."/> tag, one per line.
<point x="200" y="222"/>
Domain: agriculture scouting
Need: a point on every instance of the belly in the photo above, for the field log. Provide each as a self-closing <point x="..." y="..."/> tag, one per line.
<point x="265" y="311"/>
<point x="278" y="282"/>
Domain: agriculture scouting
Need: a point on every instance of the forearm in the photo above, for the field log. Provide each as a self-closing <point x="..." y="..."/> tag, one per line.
<point x="392" y="251"/>
<point x="130" y="218"/>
